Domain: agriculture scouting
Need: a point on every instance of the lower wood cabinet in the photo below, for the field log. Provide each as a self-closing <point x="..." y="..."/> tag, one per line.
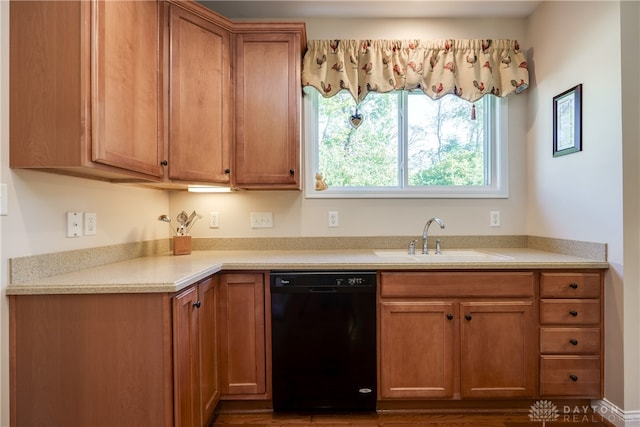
<point x="417" y="349"/>
<point x="498" y="349"/>
<point x="104" y="360"/>
<point x="99" y="360"/>
<point x="491" y="335"/>
<point x="475" y="339"/>
<point x="163" y="360"/>
<point x="245" y="336"/>
<point x="195" y="354"/>
<point x="571" y="335"/>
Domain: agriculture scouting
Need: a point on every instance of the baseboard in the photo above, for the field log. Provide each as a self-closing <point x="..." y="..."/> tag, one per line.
<point x="615" y="415"/>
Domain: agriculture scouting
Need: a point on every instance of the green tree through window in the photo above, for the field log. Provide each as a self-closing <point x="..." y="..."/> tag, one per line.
<point x="406" y="142"/>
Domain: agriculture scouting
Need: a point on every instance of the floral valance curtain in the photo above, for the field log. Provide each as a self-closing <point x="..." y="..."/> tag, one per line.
<point x="467" y="68"/>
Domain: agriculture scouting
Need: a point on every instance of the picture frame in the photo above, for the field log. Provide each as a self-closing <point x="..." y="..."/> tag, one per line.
<point x="567" y="122"/>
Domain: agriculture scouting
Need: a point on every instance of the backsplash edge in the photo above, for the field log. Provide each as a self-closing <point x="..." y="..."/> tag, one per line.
<point x="29" y="268"/>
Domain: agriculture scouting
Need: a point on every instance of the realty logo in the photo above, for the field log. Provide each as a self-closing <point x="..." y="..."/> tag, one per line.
<point x="543" y="410"/>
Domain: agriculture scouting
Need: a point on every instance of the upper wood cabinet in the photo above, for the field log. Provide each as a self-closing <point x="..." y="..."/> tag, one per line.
<point x="200" y="98"/>
<point x="162" y="92"/>
<point x="86" y="89"/>
<point x="267" y="106"/>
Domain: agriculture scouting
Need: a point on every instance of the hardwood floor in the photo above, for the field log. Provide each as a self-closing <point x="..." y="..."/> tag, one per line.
<point x="404" y="420"/>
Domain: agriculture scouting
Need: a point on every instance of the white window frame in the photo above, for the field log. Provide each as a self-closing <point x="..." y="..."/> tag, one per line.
<point x="496" y="135"/>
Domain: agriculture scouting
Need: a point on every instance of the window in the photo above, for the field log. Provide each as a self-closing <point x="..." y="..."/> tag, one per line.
<point x="407" y="145"/>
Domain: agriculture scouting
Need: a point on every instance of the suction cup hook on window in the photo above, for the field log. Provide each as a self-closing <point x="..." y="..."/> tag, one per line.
<point x="355" y="119"/>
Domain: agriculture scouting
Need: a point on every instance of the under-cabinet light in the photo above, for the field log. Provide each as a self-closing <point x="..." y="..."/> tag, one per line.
<point x="208" y="189"/>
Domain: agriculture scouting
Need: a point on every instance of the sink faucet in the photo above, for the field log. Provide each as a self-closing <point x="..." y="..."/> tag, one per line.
<point x="425" y="250"/>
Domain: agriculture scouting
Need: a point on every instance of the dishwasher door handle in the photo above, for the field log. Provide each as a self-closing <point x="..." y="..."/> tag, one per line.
<point x="326" y="290"/>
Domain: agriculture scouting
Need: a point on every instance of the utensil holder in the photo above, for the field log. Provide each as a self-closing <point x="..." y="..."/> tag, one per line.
<point x="181" y="245"/>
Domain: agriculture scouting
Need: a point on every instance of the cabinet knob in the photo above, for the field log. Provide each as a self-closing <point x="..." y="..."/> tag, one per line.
<point x="197" y="304"/>
<point x="573" y="377"/>
<point x="164" y="163"/>
<point x="291" y="172"/>
<point x="468" y="316"/>
<point x="573" y="286"/>
<point x="573" y="313"/>
<point x="573" y="341"/>
<point x="227" y="171"/>
<point x="450" y="316"/>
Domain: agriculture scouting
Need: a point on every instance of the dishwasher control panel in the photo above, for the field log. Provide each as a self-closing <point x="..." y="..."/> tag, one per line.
<point x="322" y="278"/>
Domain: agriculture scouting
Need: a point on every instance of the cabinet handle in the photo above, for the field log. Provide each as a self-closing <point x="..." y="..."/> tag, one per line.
<point x="573" y="377"/>
<point x="197" y="304"/>
<point x="291" y="172"/>
<point x="573" y="341"/>
<point x="164" y="163"/>
<point x="227" y="171"/>
<point x="573" y="313"/>
<point x="468" y="316"/>
<point x="573" y="286"/>
<point x="450" y="316"/>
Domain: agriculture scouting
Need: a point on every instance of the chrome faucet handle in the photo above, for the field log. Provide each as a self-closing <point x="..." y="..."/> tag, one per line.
<point x="412" y="247"/>
<point x="438" y="247"/>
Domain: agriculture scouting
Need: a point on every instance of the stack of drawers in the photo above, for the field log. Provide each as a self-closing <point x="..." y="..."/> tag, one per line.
<point x="571" y="335"/>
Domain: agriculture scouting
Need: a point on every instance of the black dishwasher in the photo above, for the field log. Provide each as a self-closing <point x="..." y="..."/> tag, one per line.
<point x="323" y="340"/>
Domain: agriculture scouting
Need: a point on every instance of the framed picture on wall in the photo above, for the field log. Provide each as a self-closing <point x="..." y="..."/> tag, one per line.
<point x="567" y="122"/>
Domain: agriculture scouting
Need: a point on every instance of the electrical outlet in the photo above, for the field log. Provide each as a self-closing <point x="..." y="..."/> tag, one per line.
<point x="333" y="219"/>
<point x="261" y="220"/>
<point x="494" y="218"/>
<point x="214" y="219"/>
<point x="74" y="224"/>
<point x="90" y="223"/>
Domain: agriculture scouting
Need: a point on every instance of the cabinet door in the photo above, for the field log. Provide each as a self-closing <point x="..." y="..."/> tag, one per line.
<point x="498" y="349"/>
<point x="242" y="334"/>
<point x="186" y="359"/>
<point x="200" y="100"/>
<point x="416" y="349"/>
<point x="127" y="85"/>
<point x="267" y="147"/>
<point x="209" y="349"/>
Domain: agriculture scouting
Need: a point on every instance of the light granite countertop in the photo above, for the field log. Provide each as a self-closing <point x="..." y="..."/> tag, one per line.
<point x="169" y="273"/>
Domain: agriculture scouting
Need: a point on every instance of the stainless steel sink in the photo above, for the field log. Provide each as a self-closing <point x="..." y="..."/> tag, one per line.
<point x="453" y="255"/>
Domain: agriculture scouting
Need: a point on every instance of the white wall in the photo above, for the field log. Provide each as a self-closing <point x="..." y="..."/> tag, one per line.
<point x="576" y="197"/>
<point x="295" y="215"/>
<point x="579" y="196"/>
<point x="630" y="48"/>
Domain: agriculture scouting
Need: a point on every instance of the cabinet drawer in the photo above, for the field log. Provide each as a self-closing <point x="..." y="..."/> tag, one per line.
<point x="453" y="284"/>
<point x="575" y="376"/>
<point x="570" y="285"/>
<point x="570" y="311"/>
<point x="570" y="340"/>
